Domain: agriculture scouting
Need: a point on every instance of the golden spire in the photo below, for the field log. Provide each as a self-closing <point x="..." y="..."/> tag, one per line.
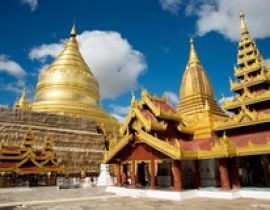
<point x="244" y="29"/>
<point x="196" y="92"/>
<point x="195" y="80"/>
<point x="73" y="31"/>
<point x="193" y="57"/>
<point x="22" y="103"/>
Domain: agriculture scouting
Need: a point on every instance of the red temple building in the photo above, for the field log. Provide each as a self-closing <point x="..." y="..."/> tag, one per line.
<point x="28" y="163"/>
<point x="199" y="144"/>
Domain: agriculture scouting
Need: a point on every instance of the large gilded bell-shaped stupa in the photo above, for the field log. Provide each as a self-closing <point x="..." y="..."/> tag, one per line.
<point x="69" y="87"/>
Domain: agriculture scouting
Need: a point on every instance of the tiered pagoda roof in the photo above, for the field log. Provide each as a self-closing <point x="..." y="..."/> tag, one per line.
<point x="27" y="160"/>
<point x="251" y="105"/>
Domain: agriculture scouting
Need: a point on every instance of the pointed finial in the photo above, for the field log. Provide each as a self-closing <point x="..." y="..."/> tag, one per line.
<point x="193" y="57"/>
<point x="244" y="29"/>
<point x="73" y="30"/>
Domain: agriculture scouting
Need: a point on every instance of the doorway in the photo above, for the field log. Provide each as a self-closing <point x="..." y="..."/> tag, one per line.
<point x="142" y="174"/>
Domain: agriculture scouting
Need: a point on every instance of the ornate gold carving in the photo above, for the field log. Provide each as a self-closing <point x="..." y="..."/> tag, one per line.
<point x="244" y="118"/>
<point x="260" y="78"/>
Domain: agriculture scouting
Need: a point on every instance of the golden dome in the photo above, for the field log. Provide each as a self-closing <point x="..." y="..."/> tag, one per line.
<point x="69" y="87"/>
<point x="196" y="90"/>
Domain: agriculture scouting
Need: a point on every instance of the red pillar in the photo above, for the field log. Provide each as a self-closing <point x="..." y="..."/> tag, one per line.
<point x="224" y="176"/>
<point x="133" y="175"/>
<point x="234" y="173"/>
<point x="153" y="175"/>
<point x="118" y="174"/>
<point x="177" y="175"/>
<point x="124" y="175"/>
<point x="197" y="174"/>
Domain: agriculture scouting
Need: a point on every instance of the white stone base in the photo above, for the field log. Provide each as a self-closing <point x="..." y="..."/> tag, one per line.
<point x="189" y="194"/>
<point x="104" y="178"/>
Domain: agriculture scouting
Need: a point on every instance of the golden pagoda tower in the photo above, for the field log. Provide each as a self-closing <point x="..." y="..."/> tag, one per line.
<point x="196" y="93"/>
<point x="69" y="87"/>
<point x="22" y="103"/>
<point x="253" y="76"/>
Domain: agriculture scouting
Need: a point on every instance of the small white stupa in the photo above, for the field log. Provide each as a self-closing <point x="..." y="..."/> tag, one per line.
<point x="104" y="178"/>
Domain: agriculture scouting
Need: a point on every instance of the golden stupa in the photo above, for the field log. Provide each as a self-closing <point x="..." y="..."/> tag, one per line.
<point x="22" y="103"/>
<point x="196" y="92"/>
<point x="69" y="87"/>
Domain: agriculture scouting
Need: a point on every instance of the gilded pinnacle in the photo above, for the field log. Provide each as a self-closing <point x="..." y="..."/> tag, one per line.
<point x="193" y="57"/>
<point x="22" y="102"/>
<point x="244" y="29"/>
<point x="73" y="31"/>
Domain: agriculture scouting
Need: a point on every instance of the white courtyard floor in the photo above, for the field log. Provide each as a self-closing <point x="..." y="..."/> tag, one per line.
<point x="98" y="198"/>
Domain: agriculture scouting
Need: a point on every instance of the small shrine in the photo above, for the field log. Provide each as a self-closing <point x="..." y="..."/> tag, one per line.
<point x="24" y="163"/>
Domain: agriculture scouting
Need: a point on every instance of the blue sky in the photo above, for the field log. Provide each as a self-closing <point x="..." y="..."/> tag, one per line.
<point x="140" y="44"/>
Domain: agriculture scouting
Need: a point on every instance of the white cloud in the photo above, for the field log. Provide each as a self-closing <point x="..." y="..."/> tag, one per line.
<point x="111" y="58"/>
<point x="222" y="16"/>
<point x="120" y="118"/>
<point x="122" y="110"/>
<point x="119" y="112"/>
<point x="173" y="98"/>
<point x="11" y="67"/>
<point x="44" y="51"/>
<point x="11" y="87"/>
<point x="33" y="4"/>
<point x="171" y="6"/>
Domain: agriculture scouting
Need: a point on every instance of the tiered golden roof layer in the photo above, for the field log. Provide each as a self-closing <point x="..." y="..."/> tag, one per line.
<point x="252" y="73"/>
